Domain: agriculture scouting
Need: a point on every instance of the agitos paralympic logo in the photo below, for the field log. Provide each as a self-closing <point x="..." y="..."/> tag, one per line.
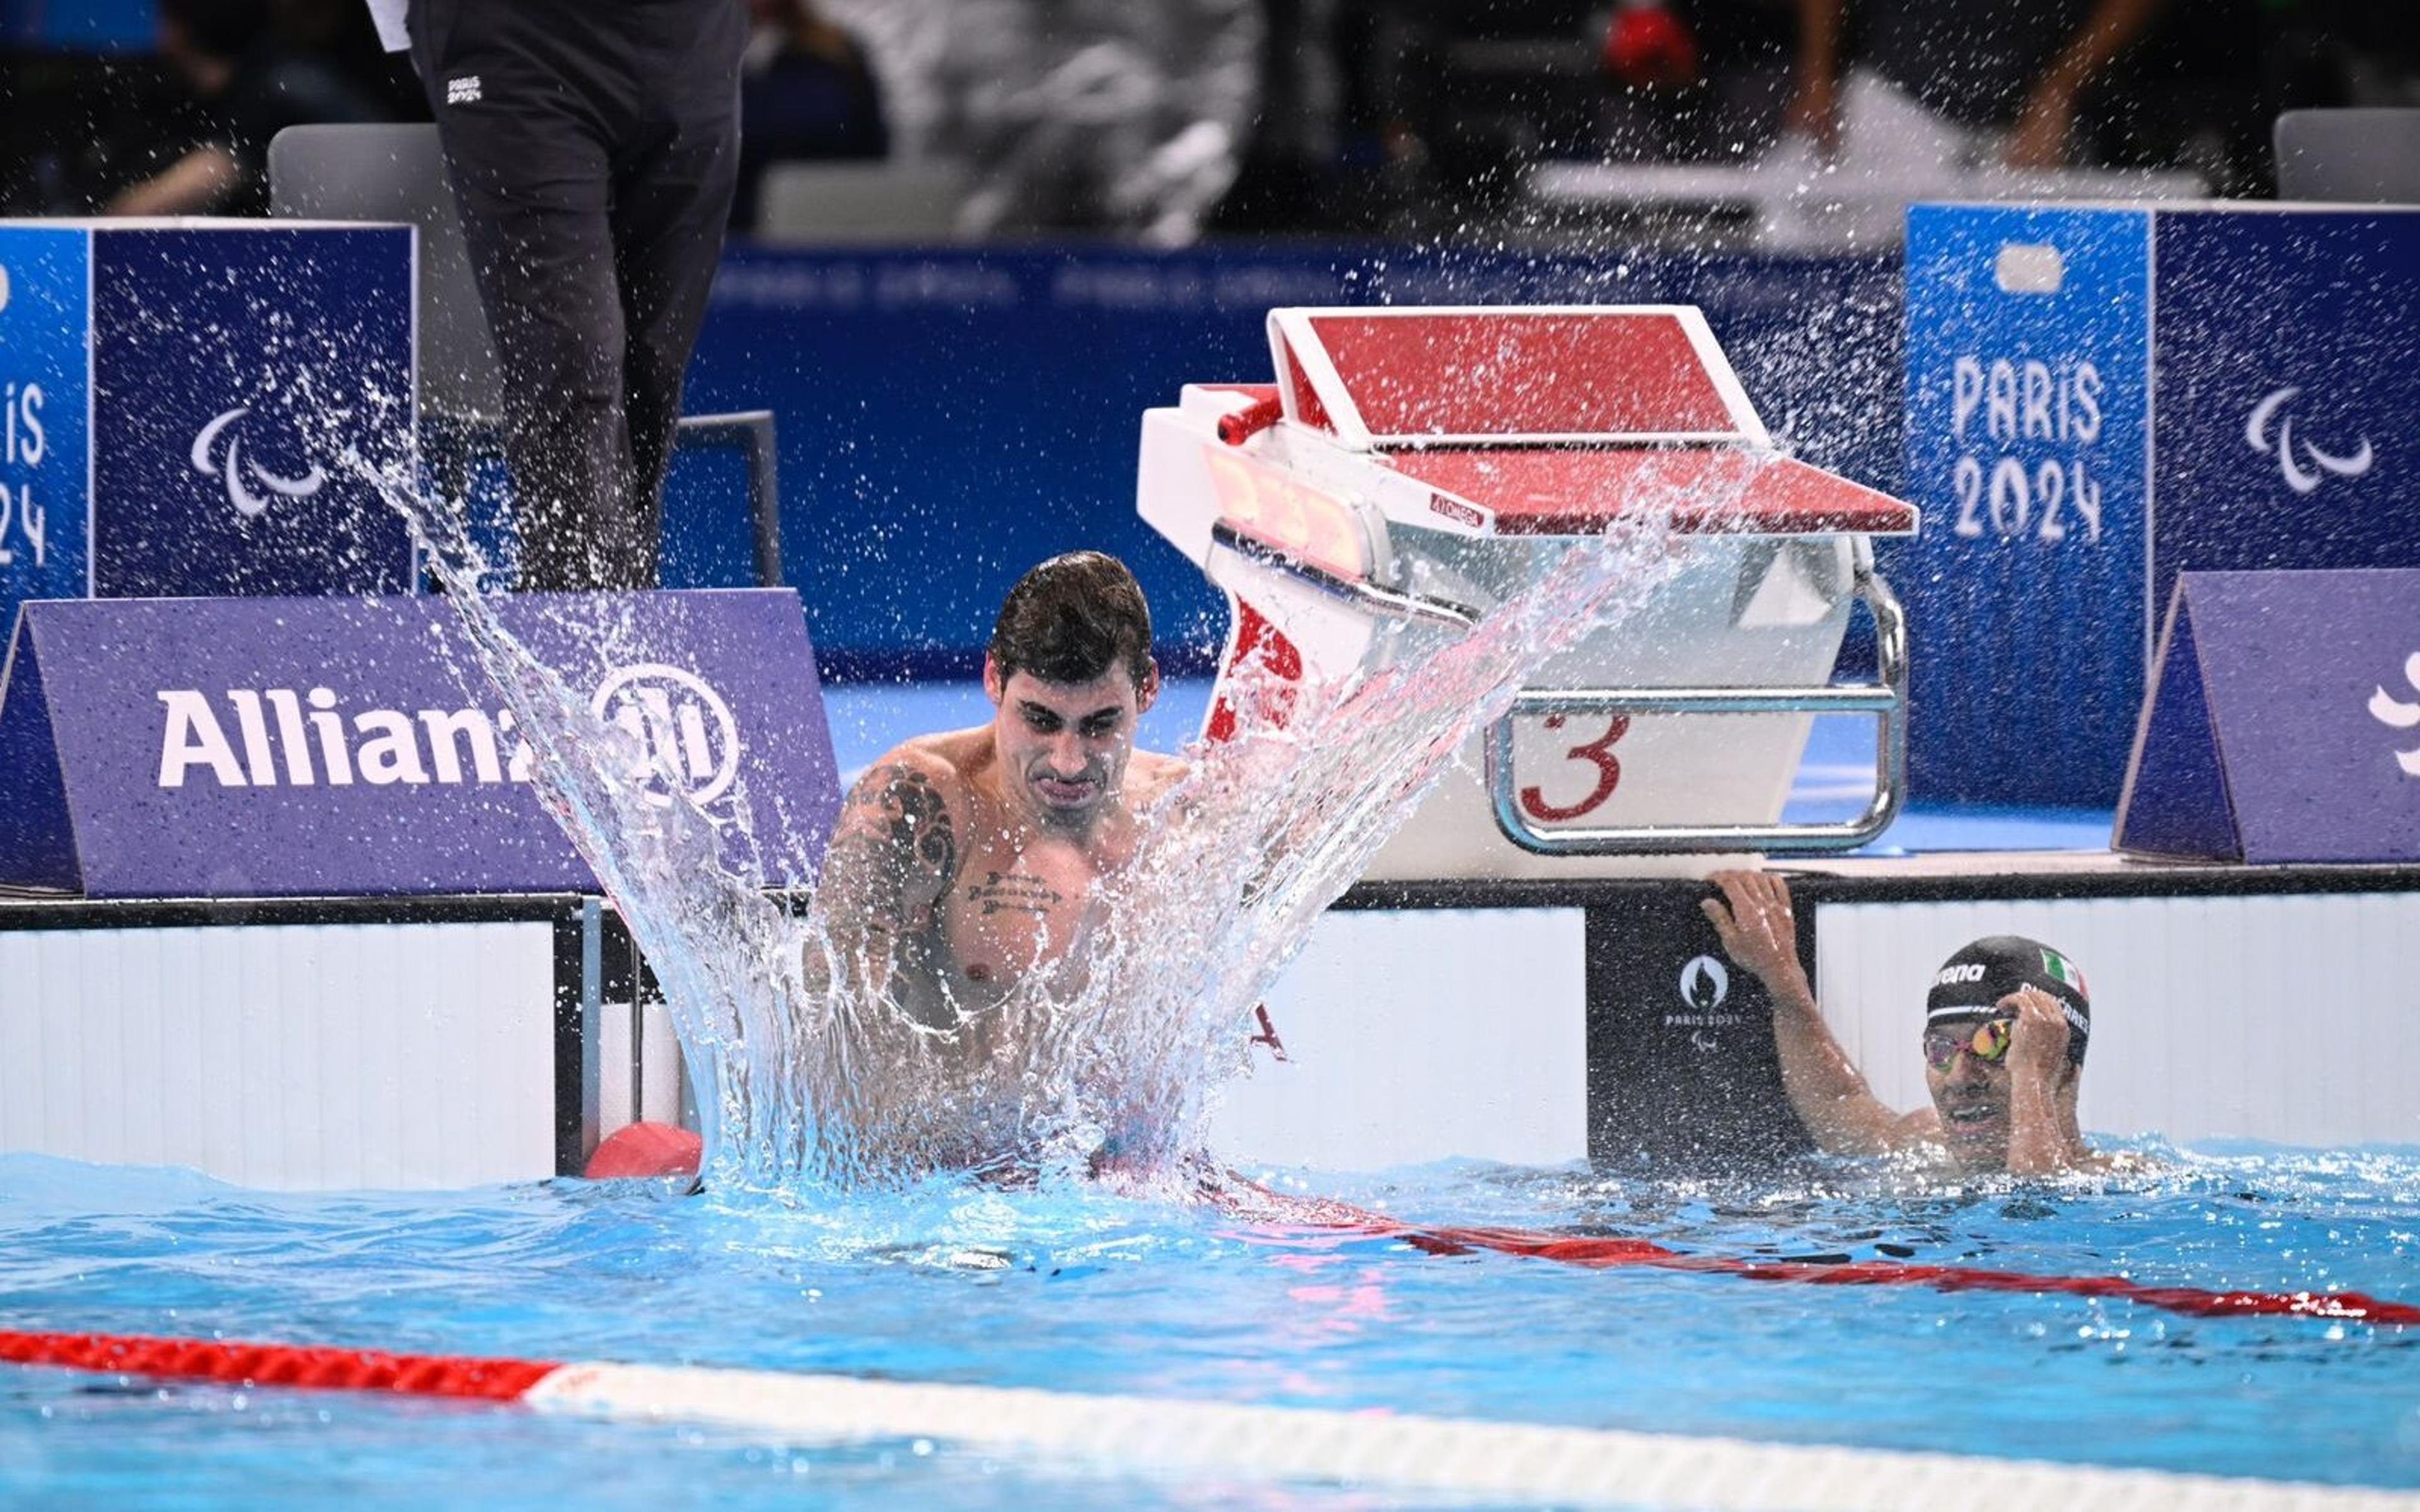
<point x="2304" y="465"/>
<point x="308" y="737"/>
<point x="2395" y="714"/>
<point x="249" y="487"/>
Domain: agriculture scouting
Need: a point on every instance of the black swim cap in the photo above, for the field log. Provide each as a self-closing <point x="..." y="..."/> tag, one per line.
<point x="1971" y="983"/>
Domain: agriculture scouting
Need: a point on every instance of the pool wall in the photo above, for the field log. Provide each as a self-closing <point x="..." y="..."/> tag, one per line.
<point x="451" y="1043"/>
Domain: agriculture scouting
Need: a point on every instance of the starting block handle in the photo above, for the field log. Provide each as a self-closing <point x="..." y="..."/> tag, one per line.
<point x="1885" y="699"/>
<point x="1244" y="424"/>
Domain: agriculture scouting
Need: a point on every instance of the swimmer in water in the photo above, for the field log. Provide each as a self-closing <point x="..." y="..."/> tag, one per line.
<point x="961" y="861"/>
<point x="2005" y="1028"/>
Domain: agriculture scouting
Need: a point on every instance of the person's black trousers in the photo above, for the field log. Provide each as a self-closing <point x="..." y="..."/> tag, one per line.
<point x="593" y="146"/>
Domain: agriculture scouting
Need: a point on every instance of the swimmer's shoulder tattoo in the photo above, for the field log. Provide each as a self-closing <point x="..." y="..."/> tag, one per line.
<point x="916" y="815"/>
<point x="895" y="841"/>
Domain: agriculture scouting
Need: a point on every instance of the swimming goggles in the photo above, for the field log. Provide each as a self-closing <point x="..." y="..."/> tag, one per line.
<point x="1987" y="1041"/>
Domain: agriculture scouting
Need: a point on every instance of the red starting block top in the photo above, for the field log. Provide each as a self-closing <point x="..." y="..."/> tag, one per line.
<point x="1536" y="374"/>
<point x="1556" y="420"/>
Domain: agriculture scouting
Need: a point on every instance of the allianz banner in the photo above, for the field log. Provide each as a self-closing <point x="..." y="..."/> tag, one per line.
<point x="338" y="747"/>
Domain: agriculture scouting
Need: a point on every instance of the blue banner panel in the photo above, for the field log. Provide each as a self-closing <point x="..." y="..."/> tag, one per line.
<point x="2100" y="398"/>
<point x="2028" y="414"/>
<point x="951" y="417"/>
<point x="45" y="388"/>
<point x="280" y="747"/>
<point x="2288" y="392"/>
<point x="81" y="26"/>
<point x="234" y="367"/>
<point x="2310" y="683"/>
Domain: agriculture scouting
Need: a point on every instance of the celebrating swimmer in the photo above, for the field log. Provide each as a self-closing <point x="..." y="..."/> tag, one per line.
<point x="2005" y="1028"/>
<point x="961" y="861"/>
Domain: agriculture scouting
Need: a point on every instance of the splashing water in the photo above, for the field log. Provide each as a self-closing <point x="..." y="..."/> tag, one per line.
<point x="1106" y="1062"/>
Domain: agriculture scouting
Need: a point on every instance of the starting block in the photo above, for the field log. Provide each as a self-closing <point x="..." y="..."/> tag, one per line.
<point x="1410" y="468"/>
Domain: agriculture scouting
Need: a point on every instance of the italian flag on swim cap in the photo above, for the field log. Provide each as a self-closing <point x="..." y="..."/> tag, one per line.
<point x="2064" y="970"/>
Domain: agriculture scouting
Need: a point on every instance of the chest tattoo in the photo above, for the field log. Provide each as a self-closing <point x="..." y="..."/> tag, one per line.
<point x="1000" y="891"/>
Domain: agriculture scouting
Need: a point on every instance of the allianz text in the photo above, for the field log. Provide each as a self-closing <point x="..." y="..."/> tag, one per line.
<point x="277" y="736"/>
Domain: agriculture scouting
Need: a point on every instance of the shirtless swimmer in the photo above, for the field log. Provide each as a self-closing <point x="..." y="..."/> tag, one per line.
<point x="962" y="861"/>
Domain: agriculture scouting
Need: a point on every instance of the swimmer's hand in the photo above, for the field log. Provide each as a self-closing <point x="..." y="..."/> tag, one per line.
<point x="2042" y="1138"/>
<point x="1758" y="929"/>
<point x="2038" y="1040"/>
<point x="1824" y="1087"/>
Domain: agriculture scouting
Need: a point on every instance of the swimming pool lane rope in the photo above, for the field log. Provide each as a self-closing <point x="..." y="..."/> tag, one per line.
<point x="1325" y="1218"/>
<point x="1161" y="1435"/>
<point x="659" y="1150"/>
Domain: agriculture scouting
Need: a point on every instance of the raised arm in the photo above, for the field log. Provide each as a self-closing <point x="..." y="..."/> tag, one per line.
<point x="2043" y="1135"/>
<point x="894" y="853"/>
<point x="1759" y="932"/>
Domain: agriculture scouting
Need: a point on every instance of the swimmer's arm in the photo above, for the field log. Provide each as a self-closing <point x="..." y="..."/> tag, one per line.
<point x="2079" y="1154"/>
<point x="1154" y="778"/>
<point x="1759" y="932"/>
<point x="2039" y="1129"/>
<point x="894" y="853"/>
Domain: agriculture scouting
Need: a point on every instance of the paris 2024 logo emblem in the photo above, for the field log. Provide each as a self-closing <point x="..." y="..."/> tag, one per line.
<point x="1705" y="987"/>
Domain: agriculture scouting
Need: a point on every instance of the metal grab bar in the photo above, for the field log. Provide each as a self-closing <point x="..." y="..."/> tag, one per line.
<point x="749" y="432"/>
<point x="1885" y="699"/>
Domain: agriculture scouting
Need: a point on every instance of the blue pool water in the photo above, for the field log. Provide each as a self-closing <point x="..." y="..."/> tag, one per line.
<point x="1078" y="1289"/>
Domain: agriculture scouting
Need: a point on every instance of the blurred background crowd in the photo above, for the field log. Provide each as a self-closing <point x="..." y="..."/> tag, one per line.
<point x="1171" y="120"/>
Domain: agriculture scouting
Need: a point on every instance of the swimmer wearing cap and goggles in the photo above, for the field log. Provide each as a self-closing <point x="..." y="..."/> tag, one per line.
<point x="2005" y="1029"/>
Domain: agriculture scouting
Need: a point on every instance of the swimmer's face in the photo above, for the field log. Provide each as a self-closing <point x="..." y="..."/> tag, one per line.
<point x="1065" y="746"/>
<point x="1971" y="1094"/>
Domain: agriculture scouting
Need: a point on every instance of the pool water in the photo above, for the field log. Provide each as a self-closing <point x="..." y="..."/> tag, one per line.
<point x="1080" y="1290"/>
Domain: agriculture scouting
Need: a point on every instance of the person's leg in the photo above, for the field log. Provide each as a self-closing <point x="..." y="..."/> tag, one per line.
<point x="514" y="91"/>
<point x="673" y="192"/>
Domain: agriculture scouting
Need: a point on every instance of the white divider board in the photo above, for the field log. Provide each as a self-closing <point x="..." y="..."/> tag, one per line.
<point x="2268" y="1017"/>
<point x="1418" y="1034"/>
<point x="288" y="1056"/>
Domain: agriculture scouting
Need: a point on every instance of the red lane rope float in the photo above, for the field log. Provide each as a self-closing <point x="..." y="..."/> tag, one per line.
<point x="279" y="1365"/>
<point x="1260" y="1204"/>
<point x="655" y="1150"/>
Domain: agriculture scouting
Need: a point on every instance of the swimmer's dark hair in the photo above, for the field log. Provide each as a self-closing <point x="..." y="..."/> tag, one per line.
<point x="1069" y="619"/>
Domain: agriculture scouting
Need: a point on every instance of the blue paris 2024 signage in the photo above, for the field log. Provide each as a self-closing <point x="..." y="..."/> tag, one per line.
<point x="181" y="398"/>
<point x="2100" y="398"/>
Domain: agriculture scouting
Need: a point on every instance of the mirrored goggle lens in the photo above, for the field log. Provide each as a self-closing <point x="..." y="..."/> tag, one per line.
<point x="1987" y="1042"/>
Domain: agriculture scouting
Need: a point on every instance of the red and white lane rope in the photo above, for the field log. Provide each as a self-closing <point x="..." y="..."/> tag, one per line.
<point x="660" y="1150"/>
<point x="1159" y="1435"/>
<point x="1278" y="1215"/>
